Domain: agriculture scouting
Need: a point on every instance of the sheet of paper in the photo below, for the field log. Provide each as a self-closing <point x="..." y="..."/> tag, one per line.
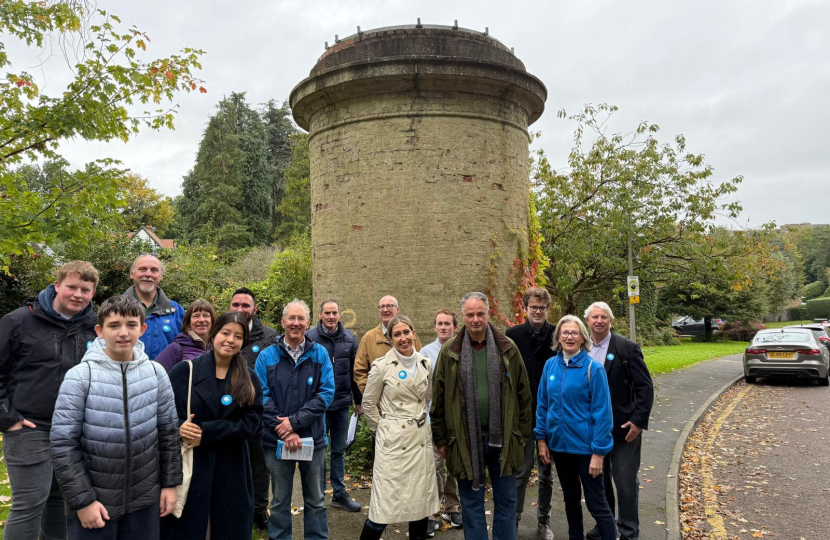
<point x="305" y="453"/>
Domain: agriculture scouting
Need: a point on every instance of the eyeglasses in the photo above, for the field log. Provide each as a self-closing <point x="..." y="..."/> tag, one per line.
<point x="571" y="334"/>
<point x="537" y="308"/>
<point x="387" y="306"/>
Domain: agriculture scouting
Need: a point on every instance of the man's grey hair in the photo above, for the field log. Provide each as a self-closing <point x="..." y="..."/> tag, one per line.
<point x="477" y="296"/>
<point x="146" y="254"/>
<point x="599" y="305"/>
<point x="297" y="302"/>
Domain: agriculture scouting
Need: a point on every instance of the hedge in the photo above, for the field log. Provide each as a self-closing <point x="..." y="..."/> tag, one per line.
<point x="819" y="307"/>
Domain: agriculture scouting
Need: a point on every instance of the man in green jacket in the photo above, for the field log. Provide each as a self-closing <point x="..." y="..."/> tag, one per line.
<point x="481" y="417"/>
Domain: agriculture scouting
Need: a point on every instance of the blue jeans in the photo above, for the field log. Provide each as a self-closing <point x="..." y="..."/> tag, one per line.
<point x="312" y="474"/>
<point x="37" y="509"/>
<point x="504" y="500"/>
<point x="337" y="424"/>
<point x="572" y="470"/>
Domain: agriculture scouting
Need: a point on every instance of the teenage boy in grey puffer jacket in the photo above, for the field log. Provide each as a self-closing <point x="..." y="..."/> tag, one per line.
<point x="115" y="441"/>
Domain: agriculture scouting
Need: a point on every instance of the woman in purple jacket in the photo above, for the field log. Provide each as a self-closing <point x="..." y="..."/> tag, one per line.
<point x="193" y="340"/>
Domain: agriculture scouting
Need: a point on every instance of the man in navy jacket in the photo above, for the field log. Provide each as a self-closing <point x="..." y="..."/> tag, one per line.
<point x="342" y="348"/>
<point x="297" y="387"/>
<point x="632" y="396"/>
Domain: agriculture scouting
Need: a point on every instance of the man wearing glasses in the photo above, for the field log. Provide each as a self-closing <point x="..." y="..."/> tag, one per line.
<point x="374" y="343"/>
<point x="533" y="338"/>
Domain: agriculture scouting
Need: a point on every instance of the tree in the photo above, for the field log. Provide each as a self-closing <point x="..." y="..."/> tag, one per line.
<point x="737" y="275"/>
<point x="621" y="186"/>
<point x="278" y="130"/>
<point x="295" y="207"/>
<point x="212" y="189"/>
<point x="143" y="205"/>
<point x="109" y="76"/>
<point x="227" y="195"/>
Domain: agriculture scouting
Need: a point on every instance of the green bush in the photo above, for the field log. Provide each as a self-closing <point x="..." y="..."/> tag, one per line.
<point x="28" y="275"/>
<point x="288" y="278"/>
<point x="361" y="454"/>
<point x="812" y="290"/>
<point x="818" y="308"/>
<point x="193" y="272"/>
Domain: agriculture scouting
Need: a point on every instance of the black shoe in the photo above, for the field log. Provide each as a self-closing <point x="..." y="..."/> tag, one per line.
<point x="345" y="502"/>
<point x="261" y="520"/>
<point x="432" y="526"/>
<point x="453" y="518"/>
<point x="593" y="534"/>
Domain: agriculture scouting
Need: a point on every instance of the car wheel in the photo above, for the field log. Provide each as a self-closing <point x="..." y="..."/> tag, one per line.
<point x="825" y="381"/>
<point x="750" y="379"/>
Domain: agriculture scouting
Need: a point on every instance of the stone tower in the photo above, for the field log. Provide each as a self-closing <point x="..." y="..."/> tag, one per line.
<point x="418" y="153"/>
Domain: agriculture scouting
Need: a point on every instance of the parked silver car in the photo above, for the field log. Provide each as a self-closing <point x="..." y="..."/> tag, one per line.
<point x="787" y="352"/>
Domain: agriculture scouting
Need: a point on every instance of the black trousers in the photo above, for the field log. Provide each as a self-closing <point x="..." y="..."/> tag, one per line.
<point x="139" y="525"/>
<point x="574" y="477"/>
<point x="259" y="475"/>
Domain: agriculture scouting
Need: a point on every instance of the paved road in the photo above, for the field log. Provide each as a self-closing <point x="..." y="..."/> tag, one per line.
<point x="678" y="396"/>
<point x="762" y="462"/>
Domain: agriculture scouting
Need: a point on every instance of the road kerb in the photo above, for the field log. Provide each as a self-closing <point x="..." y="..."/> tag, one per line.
<point x="673" y="484"/>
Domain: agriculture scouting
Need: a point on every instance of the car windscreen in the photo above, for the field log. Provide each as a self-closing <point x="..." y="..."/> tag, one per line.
<point x="779" y="337"/>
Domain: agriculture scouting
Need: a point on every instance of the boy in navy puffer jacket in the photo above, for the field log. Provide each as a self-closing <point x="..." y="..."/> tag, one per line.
<point x="115" y="441"/>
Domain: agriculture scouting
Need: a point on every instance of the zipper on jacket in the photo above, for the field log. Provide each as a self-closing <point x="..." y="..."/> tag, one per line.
<point x="129" y="458"/>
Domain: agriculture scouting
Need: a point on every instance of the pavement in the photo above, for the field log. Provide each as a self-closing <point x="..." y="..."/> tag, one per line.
<point x="679" y="397"/>
<point x="759" y="467"/>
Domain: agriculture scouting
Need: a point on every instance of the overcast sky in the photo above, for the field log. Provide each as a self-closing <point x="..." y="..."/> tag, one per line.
<point x="747" y="83"/>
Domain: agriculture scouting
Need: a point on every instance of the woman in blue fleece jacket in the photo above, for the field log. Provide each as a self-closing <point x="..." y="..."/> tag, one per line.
<point x="573" y="426"/>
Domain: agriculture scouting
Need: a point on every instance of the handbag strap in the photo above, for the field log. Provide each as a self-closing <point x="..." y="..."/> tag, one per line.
<point x="189" y="387"/>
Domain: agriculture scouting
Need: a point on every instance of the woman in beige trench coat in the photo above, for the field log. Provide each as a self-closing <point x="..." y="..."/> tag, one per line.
<point x="396" y="402"/>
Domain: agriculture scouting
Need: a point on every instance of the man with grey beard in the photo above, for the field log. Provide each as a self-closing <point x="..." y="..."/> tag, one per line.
<point x="164" y="316"/>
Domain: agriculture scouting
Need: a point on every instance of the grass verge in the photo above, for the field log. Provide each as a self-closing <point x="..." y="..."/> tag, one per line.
<point x="670" y="358"/>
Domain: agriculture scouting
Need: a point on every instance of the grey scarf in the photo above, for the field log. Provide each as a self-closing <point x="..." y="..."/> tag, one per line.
<point x="468" y="387"/>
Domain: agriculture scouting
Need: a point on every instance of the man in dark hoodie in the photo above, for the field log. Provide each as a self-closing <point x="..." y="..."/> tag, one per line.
<point x="244" y="301"/>
<point x="534" y="339"/>
<point x="39" y="343"/>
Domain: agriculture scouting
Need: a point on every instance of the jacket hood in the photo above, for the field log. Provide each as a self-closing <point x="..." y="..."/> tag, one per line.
<point x="47" y="296"/>
<point x="163" y="305"/>
<point x="186" y="340"/>
<point x="96" y="353"/>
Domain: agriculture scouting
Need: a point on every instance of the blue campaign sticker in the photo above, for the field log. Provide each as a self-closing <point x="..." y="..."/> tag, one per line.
<point x="255" y="348"/>
<point x="88" y="344"/>
<point x="166" y="327"/>
<point x="227" y="399"/>
<point x="310" y="381"/>
<point x="402" y="374"/>
<point x="610" y="357"/>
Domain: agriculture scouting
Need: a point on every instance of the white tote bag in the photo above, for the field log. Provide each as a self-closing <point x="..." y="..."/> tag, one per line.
<point x="187" y="458"/>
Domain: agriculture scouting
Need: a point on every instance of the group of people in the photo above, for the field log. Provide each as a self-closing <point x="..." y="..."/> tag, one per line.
<point x="97" y="410"/>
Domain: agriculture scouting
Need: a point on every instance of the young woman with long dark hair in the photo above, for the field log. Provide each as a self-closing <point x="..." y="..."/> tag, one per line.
<point x="226" y="410"/>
